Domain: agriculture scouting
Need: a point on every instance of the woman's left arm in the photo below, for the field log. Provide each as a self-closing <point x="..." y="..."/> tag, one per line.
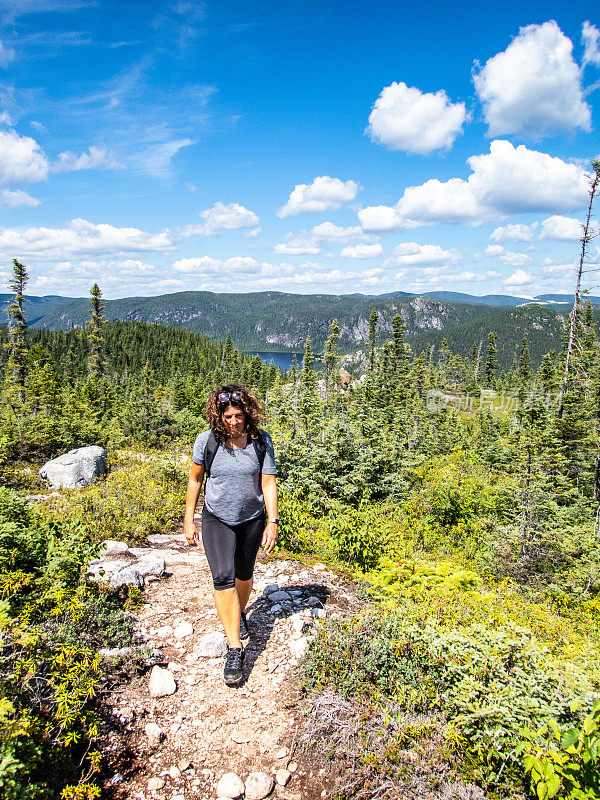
<point x="269" y="488"/>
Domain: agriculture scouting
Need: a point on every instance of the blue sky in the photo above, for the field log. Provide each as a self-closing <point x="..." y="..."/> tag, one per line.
<point x="156" y="147"/>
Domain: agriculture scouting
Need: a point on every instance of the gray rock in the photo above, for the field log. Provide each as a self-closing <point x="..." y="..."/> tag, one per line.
<point x="151" y="565"/>
<point x="314" y="601"/>
<point x="183" y="630"/>
<point x="298" y="646"/>
<point x="166" y="538"/>
<point x="282" y="776"/>
<point x="162" y="682"/>
<point x="211" y="645"/>
<point x="154" y="733"/>
<point x="230" y="785"/>
<point x="128" y="576"/>
<point x="278" y="597"/>
<point x="76" y="469"/>
<point x="113" y="546"/>
<point x="99" y="570"/>
<point x="258" y="785"/>
<point x="141" y="552"/>
<point x="275" y="609"/>
<point x="272" y="587"/>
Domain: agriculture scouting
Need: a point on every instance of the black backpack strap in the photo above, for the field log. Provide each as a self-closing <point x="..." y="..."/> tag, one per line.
<point x="210" y="451"/>
<point x="260" y="447"/>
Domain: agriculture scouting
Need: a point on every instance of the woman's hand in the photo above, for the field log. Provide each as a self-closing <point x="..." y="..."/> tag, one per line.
<point x="269" y="539"/>
<point x="191" y="532"/>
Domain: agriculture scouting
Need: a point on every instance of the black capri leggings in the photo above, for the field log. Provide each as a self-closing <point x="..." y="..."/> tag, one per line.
<point x="231" y="549"/>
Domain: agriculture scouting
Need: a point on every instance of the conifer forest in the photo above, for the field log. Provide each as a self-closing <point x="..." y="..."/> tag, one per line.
<point x="464" y="500"/>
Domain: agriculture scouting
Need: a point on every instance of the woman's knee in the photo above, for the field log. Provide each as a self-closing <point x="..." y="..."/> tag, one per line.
<point x="223" y="582"/>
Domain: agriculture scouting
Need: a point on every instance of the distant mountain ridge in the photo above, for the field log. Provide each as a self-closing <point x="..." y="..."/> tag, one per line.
<point x="278" y="321"/>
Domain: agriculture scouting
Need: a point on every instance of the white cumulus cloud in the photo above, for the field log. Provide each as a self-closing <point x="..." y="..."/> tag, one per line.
<point x="21" y="159"/>
<point x="404" y="118"/>
<point x="518" y="278"/>
<point x="590" y="35"/>
<point x="514" y="233"/>
<point x="231" y="217"/>
<point x="17" y="199"/>
<point x="507" y="180"/>
<point x="561" y="228"/>
<point x="95" y="158"/>
<point x="384" y="219"/>
<point x="362" y="251"/>
<point x="411" y="253"/>
<point x="326" y="233"/>
<point x="534" y="86"/>
<point x="322" y="194"/>
<point x="80" y="237"/>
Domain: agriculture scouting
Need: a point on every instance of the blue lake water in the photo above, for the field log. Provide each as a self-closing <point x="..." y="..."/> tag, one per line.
<point x="283" y="360"/>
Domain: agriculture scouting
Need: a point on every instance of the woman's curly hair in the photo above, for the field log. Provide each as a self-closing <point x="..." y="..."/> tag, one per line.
<point x="249" y="403"/>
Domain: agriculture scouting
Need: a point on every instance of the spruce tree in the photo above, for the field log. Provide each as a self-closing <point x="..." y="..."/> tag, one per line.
<point x="330" y="357"/>
<point x="524" y="369"/>
<point x="17" y="328"/>
<point x="491" y="361"/>
<point x="373" y="319"/>
<point x="308" y="401"/>
<point x="96" y="359"/>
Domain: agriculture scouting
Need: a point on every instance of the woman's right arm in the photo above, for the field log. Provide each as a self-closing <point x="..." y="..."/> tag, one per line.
<point x="191" y="498"/>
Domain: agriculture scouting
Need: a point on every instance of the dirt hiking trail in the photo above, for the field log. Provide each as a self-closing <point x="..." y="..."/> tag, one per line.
<point x="179" y="746"/>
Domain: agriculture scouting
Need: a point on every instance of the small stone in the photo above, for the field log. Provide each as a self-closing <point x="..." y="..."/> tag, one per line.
<point x="155" y="784"/>
<point x="192" y="657"/>
<point x="292" y="766"/>
<point x="319" y="613"/>
<point x="172" y="666"/>
<point x="275" y="609"/>
<point x="164" y="631"/>
<point x="277" y="597"/>
<point x="113" y="546"/>
<point x="154" y="733"/>
<point x="183" y="629"/>
<point x="230" y="785"/>
<point x="184" y="764"/>
<point x="116" y="778"/>
<point x="282" y="776"/>
<point x="212" y="645"/>
<point x="318" y="567"/>
<point x="298" y="646"/>
<point x="241" y="737"/>
<point x="162" y="682"/>
<point x="190" y="680"/>
<point x="272" y="587"/>
<point x="281" y="753"/>
<point x="258" y="785"/>
<point x="174" y="773"/>
<point x="314" y="601"/>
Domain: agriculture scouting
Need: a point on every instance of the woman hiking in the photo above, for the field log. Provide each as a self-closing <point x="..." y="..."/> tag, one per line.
<point x="238" y="462"/>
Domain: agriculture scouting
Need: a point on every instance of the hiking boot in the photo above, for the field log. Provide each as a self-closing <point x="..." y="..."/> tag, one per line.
<point x="244" y="632"/>
<point x="232" y="674"/>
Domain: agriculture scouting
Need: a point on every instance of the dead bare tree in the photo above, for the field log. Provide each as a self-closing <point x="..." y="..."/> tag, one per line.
<point x="586" y="238"/>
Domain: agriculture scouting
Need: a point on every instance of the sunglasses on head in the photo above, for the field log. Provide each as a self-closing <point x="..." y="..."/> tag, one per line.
<point x="229" y="397"/>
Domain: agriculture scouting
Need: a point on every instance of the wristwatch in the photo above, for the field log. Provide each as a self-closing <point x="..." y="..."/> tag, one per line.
<point x="276" y="521"/>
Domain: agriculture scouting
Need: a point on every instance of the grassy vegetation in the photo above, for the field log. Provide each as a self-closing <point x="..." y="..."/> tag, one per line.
<point x="53" y="621"/>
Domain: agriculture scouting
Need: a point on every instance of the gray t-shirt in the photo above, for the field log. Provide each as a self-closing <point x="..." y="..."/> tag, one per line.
<point x="233" y="491"/>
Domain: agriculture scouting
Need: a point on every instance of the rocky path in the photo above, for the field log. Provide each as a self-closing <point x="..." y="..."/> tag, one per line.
<point x="180" y="745"/>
